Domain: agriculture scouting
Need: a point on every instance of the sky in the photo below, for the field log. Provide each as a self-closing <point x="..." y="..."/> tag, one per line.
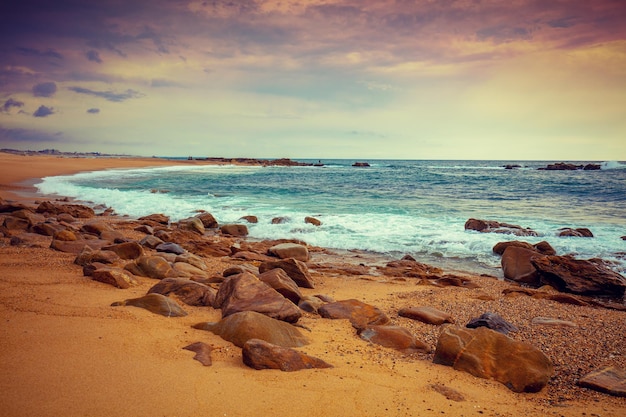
<point x="388" y="79"/>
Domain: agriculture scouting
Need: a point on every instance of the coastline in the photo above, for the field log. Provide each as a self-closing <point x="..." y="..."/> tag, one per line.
<point x="67" y="352"/>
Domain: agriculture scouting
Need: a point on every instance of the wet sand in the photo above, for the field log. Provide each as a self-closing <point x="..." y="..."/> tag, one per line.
<point x="64" y="351"/>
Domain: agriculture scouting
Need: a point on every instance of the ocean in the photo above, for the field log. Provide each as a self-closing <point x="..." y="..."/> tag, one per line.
<point x="388" y="209"/>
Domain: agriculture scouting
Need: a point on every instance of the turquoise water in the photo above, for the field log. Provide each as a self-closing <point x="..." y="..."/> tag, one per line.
<point x="392" y="207"/>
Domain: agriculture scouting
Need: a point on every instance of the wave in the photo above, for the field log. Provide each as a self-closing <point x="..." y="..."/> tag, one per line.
<point x="612" y="165"/>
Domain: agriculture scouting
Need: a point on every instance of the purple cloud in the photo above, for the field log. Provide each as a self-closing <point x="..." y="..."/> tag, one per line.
<point x="93" y="111"/>
<point x="43" y="111"/>
<point x="108" y="95"/>
<point x="10" y="103"/>
<point x="44" y="89"/>
<point x="93" y="56"/>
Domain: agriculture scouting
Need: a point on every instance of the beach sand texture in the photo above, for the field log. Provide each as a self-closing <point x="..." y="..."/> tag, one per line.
<point x="64" y="351"/>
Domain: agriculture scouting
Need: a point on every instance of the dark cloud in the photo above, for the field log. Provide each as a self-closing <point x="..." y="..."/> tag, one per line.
<point x="43" y="111"/>
<point x="49" y="53"/>
<point x="93" y="111"/>
<point x="93" y="56"/>
<point x="108" y="95"/>
<point x="17" y="136"/>
<point x="44" y="89"/>
<point x="10" y="103"/>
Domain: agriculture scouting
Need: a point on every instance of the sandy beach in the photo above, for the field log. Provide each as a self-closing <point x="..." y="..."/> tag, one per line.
<point x="65" y="351"/>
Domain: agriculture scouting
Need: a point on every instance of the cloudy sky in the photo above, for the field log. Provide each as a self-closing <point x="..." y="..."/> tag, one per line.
<point x="422" y="79"/>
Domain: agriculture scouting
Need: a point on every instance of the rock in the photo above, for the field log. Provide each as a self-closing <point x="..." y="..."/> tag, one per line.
<point x="561" y="166"/>
<point x="295" y="269"/>
<point x="427" y="315"/>
<point x="156" y="218"/>
<point x="610" y="380"/>
<point x="245" y="292"/>
<point x="492" y="321"/>
<point x="250" y="219"/>
<point x="517" y="267"/>
<point x="544" y="295"/>
<point x="290" y="250"/>
<point x="238" y="328"/>
<point x="191" y="259"/>
<point x="74" y="210"/>
<point x="189" y="292"/>
<point x="581" y="232"/>
<point x="193" y="224"/>
<point x="584" y="277"/>
<point x="240" y="269"/>
<point x="184" y="269"/>
<point x="208" y="221"/>
<point x="95" y="228"/>
<point x="394" y="337"/>
<point x="77" y="246"/>
<point x="592" y="167"/>
<point x="88" y="255"/>
<point x="280" y="220"/>
<point x="488" y="354"/>
<point x="47" y="228"/>
<point x="203" y="352"/>
<point x="234" y="230"/>
<point x="251" y="256"/>
<point x="65" y="235"/>
<point x="548" y="321"/>
<point x="116" y="277"/>
<point x="313" y="221"/>
<point x="15" y="223"/>
<point x="126" y="250"/>
<point x="150" y="242"/>
<point x="170" y="247"/>
<point x="361" y="164"/>
<point x="150" y="266"/>
<point x="144" y="228"/>
<point x="449" y="393"/>
<point x="310" y="304"/>
<point x="280" y="281"/>
<point x="259" y="354"/>
<point x="359" y="313"/>
<point x="155" y="303"/>
<point x="492" y="226"/>
<point x="542" y="247"/>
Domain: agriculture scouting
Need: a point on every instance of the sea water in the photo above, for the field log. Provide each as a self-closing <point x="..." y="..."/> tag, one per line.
<point x="390" y="208"/>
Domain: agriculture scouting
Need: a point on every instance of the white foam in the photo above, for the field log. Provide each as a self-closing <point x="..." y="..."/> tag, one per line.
<point x="612" y="165"/>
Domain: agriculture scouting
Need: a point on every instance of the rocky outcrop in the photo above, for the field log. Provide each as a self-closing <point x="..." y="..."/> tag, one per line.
<point x="488" y="354"/>
<point x="586" y="277"/>
<point x="156" y="218"/>
<point x="259" y="354"/>
<point x="208" y="221"/>
<point x="359" y="313"/>
<point x="238" y="328"/>
<point x="564" y="166"/>
<point x="492" y="226"/>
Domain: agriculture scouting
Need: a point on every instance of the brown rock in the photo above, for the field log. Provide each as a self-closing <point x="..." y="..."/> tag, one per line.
<point x="394" y="337"/>
<point x="189" y="292"/>
<point x="89" y="255"/>
<point x="151" y="266"/>
<point x="449" y="393"/>
<point x="290" y="250"/>
<point x="492" y="321"/>
<point x="310" y="303"/>
<point x="156" y="218"/>
<point x="313" y="221"/>
<point x="208" y="221"/>
<point x="234" y="230"/>
<point x="238" y="328"/>
<point x="492" y="226"/>
<point x="250" y="219"/>
<point x="517" y="267"/>
<point x="96" y="228"/>
<point x="150" y="241"/>
<point x="579" y="276"/>
<point x="77" y="246"/>
<point x="610" y="380"/>
<point x="203" y="352"/>
<point x="16" y="223"/>
<point x="359" y="313"/>
<point x="296" y="270"/>
<point x="155" y="303"/>
<point x="65" y="235"/>
<point x="193" y="224"/>
<point x="246" y="292"/>
<point x="126" y="250"/>
<point x="427" y="315"/>
<point x="259" y="354"/>
<point x="280" y="220"/>
<point x="280" y="281"/>
<point x="47" y="228"/>
<point x="116" y="277"/>
<point x="581" y="232"/>
<point x="488" y="354"/>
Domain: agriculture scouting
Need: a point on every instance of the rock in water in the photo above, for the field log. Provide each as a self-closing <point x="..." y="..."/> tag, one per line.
<point x="156" y="303"/>
<point x="488" y="354"/>
<point x="259" y="354"/>
<point x="241" y="327"/>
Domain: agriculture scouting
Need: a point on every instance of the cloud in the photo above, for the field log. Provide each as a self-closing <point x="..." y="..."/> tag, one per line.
<point x="44" y="89"/>
<point x="93" y="111"/>
<point x="43" y="111"/>
<point x="164" y="83"/>
<point x="10" y="103"/>
<point x="17" y="136"/>
<point x="108" y="95"/>
<point x="93" y="56"/>
<point x="50" y="53"/>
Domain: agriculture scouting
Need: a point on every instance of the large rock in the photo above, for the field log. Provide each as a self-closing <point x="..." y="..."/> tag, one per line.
<point x="184" y="269"/>
<point x="488" y="354"/>
<point x="208" y="220"/>
<point x="492" y="226"/>
<point x="245" y="292"/>
<point x="296" y="270"/>
<point x="259" y="354"/>
<point x="609" y="379"/>
<point x="517" y="267"/>
<point x="238" y="230"/>
<point x="280" y="281"/>
<point x="151" y="266"/>
<point x="580" y="232"/>
<point x="156" y="218"/>
<point x="238" y="328"/>
<point x="290" y="250"/>
<point x="116" y="277"/>
<point x="74" y="210"/>
<point x="126" y="250"/>
<point x="359" y="313"/>
<point x="193" y="224"/>
<point x="492" y="321"/>
<point x="394" y="337"/>
<point x="426" y="314"/>
<point x="584" y="277"/>
<point x="155" y="303"/>
<point x="189" y="292"/>
<point x="542" y="247"/>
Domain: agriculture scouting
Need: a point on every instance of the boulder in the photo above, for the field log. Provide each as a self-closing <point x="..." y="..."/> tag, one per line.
<point x="208" y="221"/>
<point x="184" y="269"/>
<point x="313" y="221"/>
<point x="238" y="328"/>
<point x="170" y="247"/>
<point x="488" y="354"/>
<point x="65" y="235"/>
<point x="250" y="219"/>
<point x="586" y="277"/>
<point x="492" y="321"/>
<point x="295" y="269"/>
<point x="427" y="315"/>
<point x="88" y="255"/>
<point x="156" y="218"/>
<point x="517" y="267"/>
<point x="77" y="246"/>
<point x="189" y="292"/>
<point x="245" y="292"/>
<point x="151" y="266"/>
<point x="280" y="220"/>
<point x="116" y="277"/>
<point x="126" y="250"/>
<point x="359" y="313"/>
<point x="542" y="247"/>
<point x="155" y="303"/>
<point x="191" y="259"/>
<point x="290" y="250"/>
<point x="150" y="241"/>
<point x="394" y="337"/>
<point x="280" y="281"/>
<point x="144" y="228"/>
<point x="310" y="303"/>
<point x="580" y="232"/>
<point x="96" y="228"/>
<point x="238" y="230"/>
<point x="259" y="354"/>
<point x="193" y="224"/>
<point x="240" y="269"/>
<point x="609" y="379"/>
